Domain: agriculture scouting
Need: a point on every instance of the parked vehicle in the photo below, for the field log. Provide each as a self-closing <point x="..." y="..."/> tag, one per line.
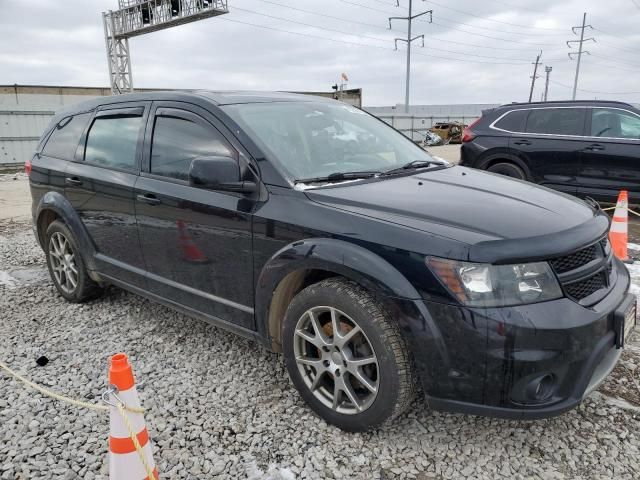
<point x="449" y="132"/>
<point x="584" y="148"/>
<point x="370" y="268"/>
<point x="431" y="139"/>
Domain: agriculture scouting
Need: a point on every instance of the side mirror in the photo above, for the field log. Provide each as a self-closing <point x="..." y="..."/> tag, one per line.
<point x="218" y="173"/>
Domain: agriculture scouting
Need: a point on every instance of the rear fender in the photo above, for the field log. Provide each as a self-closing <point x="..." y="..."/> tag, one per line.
<point x="57" y="203"/>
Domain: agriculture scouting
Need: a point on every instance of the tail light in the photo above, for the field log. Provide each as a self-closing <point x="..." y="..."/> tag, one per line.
<point x="27" y="167"/>
<point x="468" y="134"/>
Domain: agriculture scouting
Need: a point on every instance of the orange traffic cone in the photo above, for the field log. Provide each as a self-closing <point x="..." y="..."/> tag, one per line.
<point x="191" y="252"/>
<point x="125" y="461"/>
<point x="618" y="234"/>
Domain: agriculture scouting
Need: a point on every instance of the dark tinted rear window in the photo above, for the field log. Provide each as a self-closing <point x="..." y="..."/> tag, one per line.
<point x="112" y="142"/>
<point x="513" y="121"/>
<point x="556" y="121"/>
<point x="66" y="135"/>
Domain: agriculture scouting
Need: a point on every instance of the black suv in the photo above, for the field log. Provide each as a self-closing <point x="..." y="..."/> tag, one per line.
<point x="585" y="148"/>
<point x="320" y="232"/>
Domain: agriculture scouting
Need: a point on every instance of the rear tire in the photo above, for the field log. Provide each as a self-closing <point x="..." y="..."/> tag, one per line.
<point x="508" y="169"/>
<point x="358" y="378"/>
<point x="66" y="266"/>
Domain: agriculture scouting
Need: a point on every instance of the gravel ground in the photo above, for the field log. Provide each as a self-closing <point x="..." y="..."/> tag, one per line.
<point x="219" y="406"/>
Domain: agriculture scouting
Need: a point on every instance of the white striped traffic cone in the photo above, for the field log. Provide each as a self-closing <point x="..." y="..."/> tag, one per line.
<point x="125" y="462"/>
<point x="618" y="234"/>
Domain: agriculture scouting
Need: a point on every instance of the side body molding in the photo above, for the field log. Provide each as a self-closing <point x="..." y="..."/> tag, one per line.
<point x="57" y="203"/>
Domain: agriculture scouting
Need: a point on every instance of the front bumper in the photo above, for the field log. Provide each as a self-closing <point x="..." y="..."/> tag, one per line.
<point x="493" y="361"/>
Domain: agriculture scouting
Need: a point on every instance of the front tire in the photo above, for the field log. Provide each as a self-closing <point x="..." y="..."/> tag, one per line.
<point x="346" y="356"/>
<point x="508" y="169"/>
<point x="66" y="266"/>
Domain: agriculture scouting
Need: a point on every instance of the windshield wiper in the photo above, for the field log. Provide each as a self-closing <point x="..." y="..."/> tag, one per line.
<point x="339" y="176"/>
<point x="413" y="165"/>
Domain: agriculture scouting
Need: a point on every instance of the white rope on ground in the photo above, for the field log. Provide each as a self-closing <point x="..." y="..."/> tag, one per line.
<point x="122" y="408"/>
<point x="62" y="398"/>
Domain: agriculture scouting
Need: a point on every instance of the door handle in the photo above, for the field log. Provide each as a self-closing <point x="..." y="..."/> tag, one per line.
<point x="596" y="147"/>
<point x="522" y="142"/>
<point x="149" y="199"/>
<point x="73" y="181"/>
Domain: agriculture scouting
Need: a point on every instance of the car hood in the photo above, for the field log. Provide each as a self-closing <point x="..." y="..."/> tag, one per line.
<point x="499" y="218"/>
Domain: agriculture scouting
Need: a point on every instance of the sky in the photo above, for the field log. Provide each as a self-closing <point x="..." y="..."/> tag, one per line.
<point x="474" y="52"/>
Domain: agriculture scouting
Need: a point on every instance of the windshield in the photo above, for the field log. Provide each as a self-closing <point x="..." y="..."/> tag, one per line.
<point x="316" y="139"/>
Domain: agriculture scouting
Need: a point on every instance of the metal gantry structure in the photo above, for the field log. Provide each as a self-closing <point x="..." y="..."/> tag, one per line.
<point x="137" y="17"/>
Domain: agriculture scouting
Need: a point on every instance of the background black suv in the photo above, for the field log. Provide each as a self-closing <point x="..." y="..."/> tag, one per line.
<point x="585" y="148"/>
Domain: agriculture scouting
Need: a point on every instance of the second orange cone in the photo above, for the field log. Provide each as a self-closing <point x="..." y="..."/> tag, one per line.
<point x="618" y="234"/>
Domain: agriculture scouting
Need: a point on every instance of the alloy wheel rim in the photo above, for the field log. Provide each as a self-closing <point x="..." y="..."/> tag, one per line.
<point x="336" y="360"/>
<point x="63" y="263"/>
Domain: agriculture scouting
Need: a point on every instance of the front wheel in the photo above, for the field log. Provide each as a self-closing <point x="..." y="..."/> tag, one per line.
<point x="508" y="169"/>
<point x="346" y="356"/>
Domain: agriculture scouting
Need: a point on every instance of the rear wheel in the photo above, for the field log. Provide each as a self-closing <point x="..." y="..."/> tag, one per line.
<point x="66" y="266"/>
<point x="508" y="169"/>
<point x="346" y="356"/>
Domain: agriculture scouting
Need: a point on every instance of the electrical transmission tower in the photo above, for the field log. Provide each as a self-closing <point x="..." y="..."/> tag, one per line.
<point x="535" y="75"/>
<point x="409" y="19"/>
<point x="547" y="70"/>
<point x="137" y="17"/>
<point x="580" y="50"/>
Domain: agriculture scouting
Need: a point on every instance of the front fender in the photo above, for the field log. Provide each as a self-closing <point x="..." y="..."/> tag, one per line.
<point x="57" y="203"/>
<point x="364" y="267"/>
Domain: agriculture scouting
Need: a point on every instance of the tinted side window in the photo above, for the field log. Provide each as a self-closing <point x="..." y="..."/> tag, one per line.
<point x="65" y="137"/>
<point x="608" y="122"/>
<point x="513" y="121"/>
<point x="112" y="142"/>
<point x="556" y="121"/>
<point x="177" y="141"/>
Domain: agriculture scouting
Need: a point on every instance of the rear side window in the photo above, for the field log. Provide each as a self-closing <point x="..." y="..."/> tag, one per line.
<point x="177" y="141"/>
<point x="556" y="121"/>
<point x="65" y="137"/>
<point x="113" y="140"/>
<point x="614" y="123"/>
<point x="513" y="121"/>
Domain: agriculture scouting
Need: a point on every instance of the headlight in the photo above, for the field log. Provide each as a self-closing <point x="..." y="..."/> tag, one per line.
<point x="485" y="285"/>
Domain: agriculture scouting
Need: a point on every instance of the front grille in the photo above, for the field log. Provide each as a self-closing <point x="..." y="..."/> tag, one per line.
<point x="575" y="260"/>
<point x="584" y="288"/>
<point x="565" y="268"/>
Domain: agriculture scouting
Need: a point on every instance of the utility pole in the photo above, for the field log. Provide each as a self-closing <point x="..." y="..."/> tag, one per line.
<point x="580" y="50"/>
<point x="547" y="70"/>
<point x="409" y="40"/>
<point x="535" y="75"/>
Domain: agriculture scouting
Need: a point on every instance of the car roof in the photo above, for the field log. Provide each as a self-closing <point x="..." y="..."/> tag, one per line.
<point x="214" y="97"/>
<point x="565" y="103"/>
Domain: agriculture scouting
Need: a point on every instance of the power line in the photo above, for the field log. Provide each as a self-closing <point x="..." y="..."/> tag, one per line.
<point x="349" y="2"/>
<point x="495" y="21"/>
<point x="509" y="40"/>
<point x="594" y="91"/>
<point x="636" y="4"/>
<point x="380" y="47"/>
<point x="615" y="60"/>
<point x="491" y="57"/>
<point x="379" y="39"/>
<point x="371" y="25"/>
